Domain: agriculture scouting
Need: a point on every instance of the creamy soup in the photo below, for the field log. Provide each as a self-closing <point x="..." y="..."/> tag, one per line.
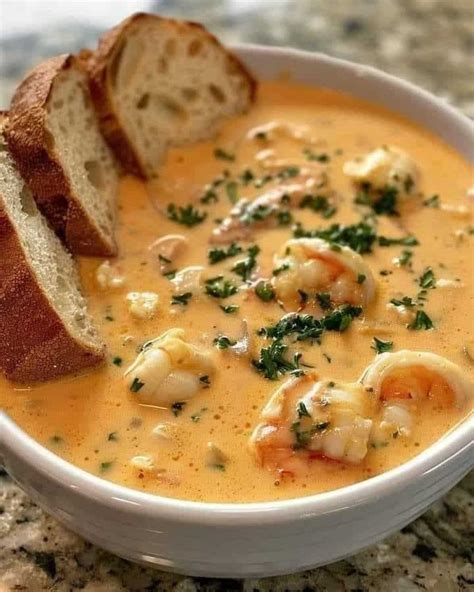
<point x="380" y="261"/>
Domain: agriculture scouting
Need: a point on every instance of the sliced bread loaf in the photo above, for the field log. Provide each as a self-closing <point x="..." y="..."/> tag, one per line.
<point x="54" y="136"/>
<point x="160" y="82"/>
<point x="45" y="330"/>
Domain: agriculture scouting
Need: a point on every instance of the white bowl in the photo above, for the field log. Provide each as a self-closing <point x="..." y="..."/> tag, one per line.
<point x="270" y="538"/>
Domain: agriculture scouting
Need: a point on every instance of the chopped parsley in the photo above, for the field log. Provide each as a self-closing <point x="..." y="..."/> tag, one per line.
<point x="312" y="156"/>
<point x="210" y="196"/>
<point x="205" y="381"/>
<point x="272" y="362"/>
<point x="386" y="201"/>
<point x="421" y="322"/>
<point x="216" y="255"/>
<point x="361" y="277"/>
<point x="185" y="215"/>
<point x="244" y="267"/>
<point x="405" y="241"/>
<point x="381" y="346"/>
<point x="223" y="342"/>
<point x="230" y="308"/>
<point x="324" y="300"/>
<point x="105" y="466"/>
<point x="136" y="385"/>
<point x="112" y="437"/>
<point x="318" y="203"/>
<point x="405" y="301"/>
<point x="231" y="189"/>
<point x="359" y="237"/>
<point x="56" y="439"/>
<point x="246" y="177"/>
<point x="302" y="410"/>
<point x="177" y="407"/>
<point x="432" y="202"/>
<point x="218" y="287"/>
<point x="307" y="328"/>
<point x="427" y="279"/>
<point x="265" y="291"/>
<point x="281" y="269"/>
<point x="222" y="154"/>
<point x="181" y="299"/>
<point x="405" y="258"/>
<point x="117" y="361"/>
<point x="284" y="218"/>
<point x="288" y="173"/>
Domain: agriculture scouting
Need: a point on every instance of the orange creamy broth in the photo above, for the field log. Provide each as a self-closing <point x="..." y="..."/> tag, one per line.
<point x="95" y="422"/>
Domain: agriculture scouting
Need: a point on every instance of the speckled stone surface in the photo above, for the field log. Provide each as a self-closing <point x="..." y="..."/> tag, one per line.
<point x="429" y="42"/>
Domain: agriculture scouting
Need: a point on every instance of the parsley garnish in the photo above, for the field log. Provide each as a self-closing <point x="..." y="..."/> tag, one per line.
<point x="229" y="309"/>
<point x="244" y="267"/>
<point x="186" y="215"/>
<point x="302" y="410"/>
<point x="210" y="196"/>
<point x="265" y="291"/>
<point x="427" y="279"/>
<point x="359" y="237"/>
<point x="432" y="202"/>
<point x="112" y="437"/>
<point x="324" y="300"/>
<point x="406" y="241"/>
<point x="223" y="342"/>
<point x="289" y="172"/>
<point x="232" y="192"/>
<point x="181" y="299"/>
<point x="307" y="327"/>
<point x="421" y="321"/>
<point x="105" y="466"/>
<point x="281" y="269"/>
<point x="246" y="177"/>
<point x="272" y="362"/>
<point x="386" y="201"/>
<point x="405" y="258"/>
<point x="117" y="361"/>
<point x="136" y="385"/>
<point x="405" y="301"/>
<point x="222" y="154"/>
<point x="310" y="155"/>
<point x="205" y="381"/>
<point x="177" y="407"/>
<point x="381" y="346"/>
<point x="216" y="255"/>
<point x="318" y="203"/>
<point x="218" y="287"/>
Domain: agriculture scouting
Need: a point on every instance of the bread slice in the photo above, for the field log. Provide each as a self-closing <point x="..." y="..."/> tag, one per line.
<point x="159" y="82"/>
<point x="54" y="136"/>
<point x="45" y="330"/>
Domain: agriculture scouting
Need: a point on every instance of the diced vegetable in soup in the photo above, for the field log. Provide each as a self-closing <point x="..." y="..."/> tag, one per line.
<point x="290" y="312"/>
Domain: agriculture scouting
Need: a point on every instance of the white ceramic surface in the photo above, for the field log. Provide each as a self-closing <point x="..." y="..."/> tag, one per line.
<point x="242" y="540"/>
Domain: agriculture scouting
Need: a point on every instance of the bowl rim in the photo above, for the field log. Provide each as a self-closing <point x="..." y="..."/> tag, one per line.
<point x="456" y="442"/>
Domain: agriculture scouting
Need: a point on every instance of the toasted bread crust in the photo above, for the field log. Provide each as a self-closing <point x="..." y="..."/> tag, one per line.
<point x="28" y="142"/>
<point x="98" y="63"/>
<point x="34" y="344"/>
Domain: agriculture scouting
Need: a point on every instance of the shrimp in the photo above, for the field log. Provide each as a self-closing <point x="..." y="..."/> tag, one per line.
<point x="168" y="369"/>
<point x="401" y="381"/>
<point x="311" y="265"/>
<point x="417" y="376"/>
<point x="262" y="212"/>
<point x="307" y="418"/>
<point x="385" y="166"/>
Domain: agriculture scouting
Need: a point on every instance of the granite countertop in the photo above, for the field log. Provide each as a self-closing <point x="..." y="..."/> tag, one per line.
<point x="429" y="42"/>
